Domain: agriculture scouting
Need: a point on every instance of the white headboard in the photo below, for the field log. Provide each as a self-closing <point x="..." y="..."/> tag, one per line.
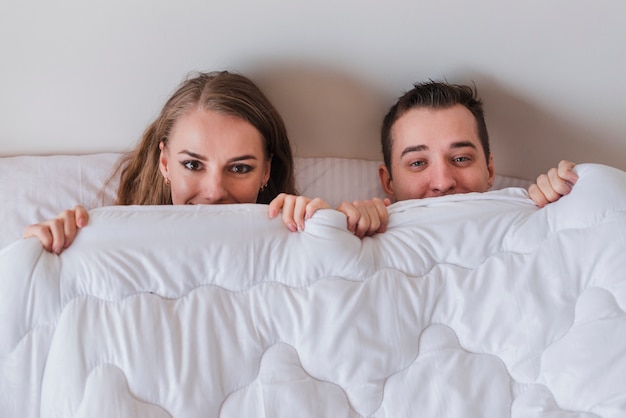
<point x="80" y="77"/>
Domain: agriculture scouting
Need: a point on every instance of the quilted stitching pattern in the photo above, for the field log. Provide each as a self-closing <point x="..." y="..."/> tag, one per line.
<point x="469" y="305"/>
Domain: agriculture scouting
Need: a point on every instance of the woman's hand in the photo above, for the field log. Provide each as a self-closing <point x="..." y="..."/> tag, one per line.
<point x="57" y="234"/>
<point x="295" y="209"/>
<point x="555" y="184"/>
<point x="366" y="217"/>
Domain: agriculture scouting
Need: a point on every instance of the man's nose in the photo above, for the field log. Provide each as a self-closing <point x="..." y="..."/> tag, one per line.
<point x="442" y="179"/>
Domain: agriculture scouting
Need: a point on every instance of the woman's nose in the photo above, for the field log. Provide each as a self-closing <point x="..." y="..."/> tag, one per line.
<point x="214" y="190"/>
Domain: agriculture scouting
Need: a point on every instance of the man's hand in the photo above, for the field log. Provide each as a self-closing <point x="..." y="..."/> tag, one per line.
<point x="555" y="184"/>
<point x="366" y="217"/>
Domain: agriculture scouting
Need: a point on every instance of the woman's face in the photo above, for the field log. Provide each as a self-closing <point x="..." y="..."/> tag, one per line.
<point x="213" y="158"/>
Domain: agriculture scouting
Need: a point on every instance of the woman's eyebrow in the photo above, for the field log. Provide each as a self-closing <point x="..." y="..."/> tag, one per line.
<point x="193" y="155"/>
<point x="203" y="158"/>
<point x="241" y="158"/>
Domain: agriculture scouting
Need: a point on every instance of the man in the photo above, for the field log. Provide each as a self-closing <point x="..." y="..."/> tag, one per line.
<point x="435" y="142"/>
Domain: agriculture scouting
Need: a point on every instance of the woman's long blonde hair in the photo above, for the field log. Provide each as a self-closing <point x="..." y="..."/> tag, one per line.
<point x="141" y="182"/>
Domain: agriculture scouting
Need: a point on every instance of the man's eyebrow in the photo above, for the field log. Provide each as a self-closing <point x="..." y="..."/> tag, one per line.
<point x="454" y="145"/>
<point x="414" y="148"/>
<point x="462" y="144"/>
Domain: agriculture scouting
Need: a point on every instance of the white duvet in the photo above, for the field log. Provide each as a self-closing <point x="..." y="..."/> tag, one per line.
<point x="477" y="305"/>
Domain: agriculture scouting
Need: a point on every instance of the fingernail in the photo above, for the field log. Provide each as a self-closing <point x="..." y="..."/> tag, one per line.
<point x="292" y="228"/>
<point x="300" y="228"/>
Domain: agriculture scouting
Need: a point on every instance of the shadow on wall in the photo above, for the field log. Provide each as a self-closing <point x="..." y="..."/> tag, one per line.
<point x="527" y="139"/>
<point x="327" y="113"/>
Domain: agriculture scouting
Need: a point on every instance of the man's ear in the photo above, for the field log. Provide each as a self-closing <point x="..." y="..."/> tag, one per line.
<point x="163" y="167"/>
<point x="386" y="182"/>
<point x="491" y="170"/>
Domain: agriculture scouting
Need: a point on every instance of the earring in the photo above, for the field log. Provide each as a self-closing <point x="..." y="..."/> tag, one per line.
<point x="263" y="187"/>
<point x="167" y="181"/>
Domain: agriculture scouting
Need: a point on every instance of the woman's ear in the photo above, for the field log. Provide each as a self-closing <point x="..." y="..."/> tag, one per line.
<point x="163" y="167"/>
<point x="267" y="171"/>
<point x="386" y="182"/>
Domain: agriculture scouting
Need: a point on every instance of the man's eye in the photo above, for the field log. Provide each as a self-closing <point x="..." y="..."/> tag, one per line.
<point x="460" y="159"/>
<point x="417" y="163"/>
<point x="241" y="168"/>
<point x="191" y="165"/>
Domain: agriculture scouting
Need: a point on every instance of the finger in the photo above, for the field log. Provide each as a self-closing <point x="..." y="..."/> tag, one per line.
<point x="81" y="216"/>
<point x="299" y="211"/>
<point x="275" y="205"/>
<point x="382" y="213"/>
<point x="287" y="216"/>
<point x="557" y="186"/>
<point x="64" y="224"/>
<point x="537" y="196"/>
<point x="363" y="224"/>
<point x="364" y="221"/>
<point x="374" y="218"/>
<point x="56" y="227"/>
<point x="315" y="205"/>
<point x="42" y="233"/>
<point x="352" y="215"/>
<point x="566" y="171"/>
<point x="546" y="187"/>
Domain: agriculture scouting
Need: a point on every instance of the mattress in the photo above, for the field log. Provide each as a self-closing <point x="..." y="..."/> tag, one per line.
<point x="468" y="305"/>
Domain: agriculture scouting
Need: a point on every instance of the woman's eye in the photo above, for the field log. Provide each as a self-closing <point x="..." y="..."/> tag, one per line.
<point x="241" y="168"/>
<point x="192" y="165"/>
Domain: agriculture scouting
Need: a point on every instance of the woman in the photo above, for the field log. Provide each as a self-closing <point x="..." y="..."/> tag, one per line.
<point x="217" y="140"/>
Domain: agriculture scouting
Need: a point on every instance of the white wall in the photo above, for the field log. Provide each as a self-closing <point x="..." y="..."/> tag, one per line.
<point x="86" y="76"/>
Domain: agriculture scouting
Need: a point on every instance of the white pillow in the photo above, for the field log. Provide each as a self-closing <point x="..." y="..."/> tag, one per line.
<point x="36" y="188"/>
<point x="338" y="179"/>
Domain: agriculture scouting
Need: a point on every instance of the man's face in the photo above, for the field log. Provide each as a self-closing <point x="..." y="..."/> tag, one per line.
<point x="436" y="153"/>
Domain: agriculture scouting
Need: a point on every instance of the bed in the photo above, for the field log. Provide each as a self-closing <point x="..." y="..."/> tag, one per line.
<point x="469" y="305"/>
